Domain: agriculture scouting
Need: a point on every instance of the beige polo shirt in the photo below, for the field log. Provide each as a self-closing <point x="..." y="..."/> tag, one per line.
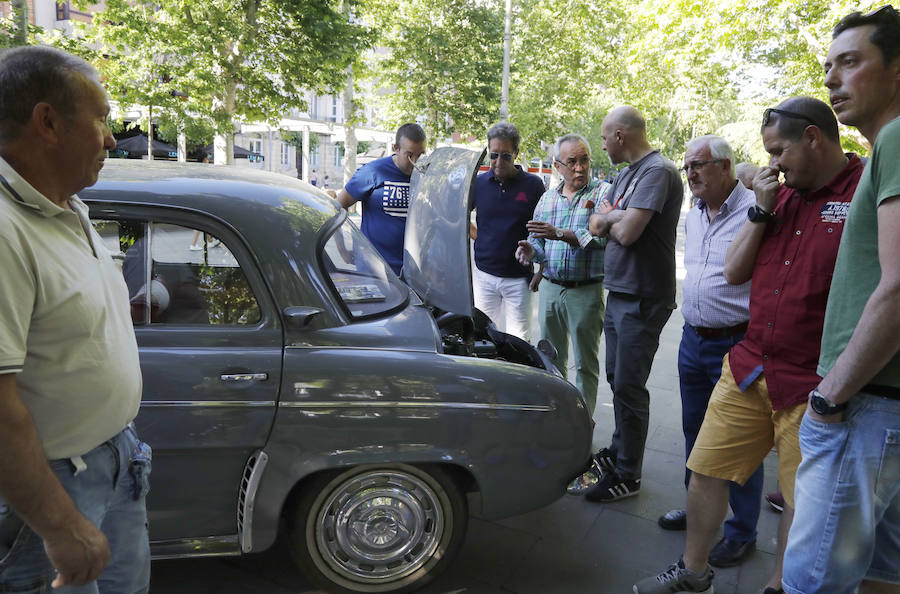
<point x="65" y="323"/>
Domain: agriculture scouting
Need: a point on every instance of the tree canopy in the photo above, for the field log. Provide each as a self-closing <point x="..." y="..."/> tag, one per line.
<point x="691" y="66"/>
<point x="223" y="60"/>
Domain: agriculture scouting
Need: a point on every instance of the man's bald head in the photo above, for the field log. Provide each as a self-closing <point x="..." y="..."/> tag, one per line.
<point x="627" y="118"/>
<point x="624" y="132"/>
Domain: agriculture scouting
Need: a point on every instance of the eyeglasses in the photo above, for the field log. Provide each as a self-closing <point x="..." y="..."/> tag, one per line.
<point x="698" y="165"/>
<point x="504" y="156"/>
<point x="584" y="161"/>
<point x="767" y="115"/>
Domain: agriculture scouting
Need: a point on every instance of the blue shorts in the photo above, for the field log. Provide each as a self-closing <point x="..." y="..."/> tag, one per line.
<point x="111" y="492"/>
<point x="847" y="517"/>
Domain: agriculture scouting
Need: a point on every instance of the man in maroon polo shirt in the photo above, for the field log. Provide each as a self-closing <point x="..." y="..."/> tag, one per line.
<point x="788" y="246"/>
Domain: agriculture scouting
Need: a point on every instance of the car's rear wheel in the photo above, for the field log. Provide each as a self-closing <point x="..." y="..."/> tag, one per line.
<point x="389" y="528"/>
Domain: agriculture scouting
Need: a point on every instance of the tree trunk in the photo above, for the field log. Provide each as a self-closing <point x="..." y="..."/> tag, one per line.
<point x="20" y="15"/>
<point x="350" y="144"/>
<point x="149" y="132"/>
<point x="223" y="145"/>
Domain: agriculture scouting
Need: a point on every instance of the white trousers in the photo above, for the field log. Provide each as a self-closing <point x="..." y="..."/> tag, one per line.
<point x="511" y="296"/>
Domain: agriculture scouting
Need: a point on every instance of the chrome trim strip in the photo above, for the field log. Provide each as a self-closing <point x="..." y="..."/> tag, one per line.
<point x="395" y="404"/>
<point x="208" y="403"/>
<point x="208" y="546"/>
<point x="341" y="347"/>
<point x="256" y="465"/>
<point x="243" y="377"/>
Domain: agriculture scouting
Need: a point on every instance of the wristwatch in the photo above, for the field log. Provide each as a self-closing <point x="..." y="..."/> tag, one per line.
<point x="824" y="406"/>
<point x="559" y="234"/>
<point x="757" y="214"/>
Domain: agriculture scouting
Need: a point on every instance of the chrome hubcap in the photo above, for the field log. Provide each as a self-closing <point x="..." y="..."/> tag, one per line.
<point x="379" y="526"/>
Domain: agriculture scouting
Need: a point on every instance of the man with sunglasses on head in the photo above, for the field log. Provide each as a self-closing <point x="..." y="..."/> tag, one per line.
<point x="788" y="247"/>
<point x="715" y="319"/>
<point x="504" y="199"/>
<point x="382" y="187"/>
<point x="640" y="221"/>
<point x="846" y="530"/>
<point x="571" y="299"/>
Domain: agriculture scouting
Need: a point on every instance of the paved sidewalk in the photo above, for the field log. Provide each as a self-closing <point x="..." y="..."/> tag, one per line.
<point x="571" y="546"/>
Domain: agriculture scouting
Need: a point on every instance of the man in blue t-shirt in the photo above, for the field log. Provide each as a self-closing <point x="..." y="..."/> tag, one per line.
<point x="382" y="187"/>
<point x="504" y="199"/>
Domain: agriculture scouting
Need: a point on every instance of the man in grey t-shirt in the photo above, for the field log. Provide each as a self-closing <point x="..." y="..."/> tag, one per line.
<point x="640" y="222"/>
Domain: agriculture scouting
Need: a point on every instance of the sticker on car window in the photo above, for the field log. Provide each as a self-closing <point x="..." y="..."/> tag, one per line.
<point x="361" y="293"/>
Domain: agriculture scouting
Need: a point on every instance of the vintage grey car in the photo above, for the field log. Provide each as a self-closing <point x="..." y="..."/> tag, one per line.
<point x="292" y="382"/>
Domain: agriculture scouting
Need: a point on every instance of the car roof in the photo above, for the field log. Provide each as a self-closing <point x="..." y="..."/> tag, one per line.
<point x="250" y="200"/>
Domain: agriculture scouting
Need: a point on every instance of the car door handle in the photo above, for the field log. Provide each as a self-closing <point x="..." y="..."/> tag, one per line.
<point x="244" y="377"/>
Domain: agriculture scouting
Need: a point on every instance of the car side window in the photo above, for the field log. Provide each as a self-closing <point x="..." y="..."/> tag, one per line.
<point x="193" y="278"/>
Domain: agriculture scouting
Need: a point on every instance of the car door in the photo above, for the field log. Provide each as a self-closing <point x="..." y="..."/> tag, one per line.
<point x="211" y="354"/>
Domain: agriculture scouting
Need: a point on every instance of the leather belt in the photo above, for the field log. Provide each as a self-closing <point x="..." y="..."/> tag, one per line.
<point x="574" y="284"/>
<point x="719" y="332"/>
<point x="883" y="391"/>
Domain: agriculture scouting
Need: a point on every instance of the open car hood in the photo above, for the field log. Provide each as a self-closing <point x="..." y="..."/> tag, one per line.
<point x="436" y="259"/>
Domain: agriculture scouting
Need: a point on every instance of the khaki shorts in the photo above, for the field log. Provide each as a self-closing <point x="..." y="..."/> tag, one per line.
<point x="739" y="430"/>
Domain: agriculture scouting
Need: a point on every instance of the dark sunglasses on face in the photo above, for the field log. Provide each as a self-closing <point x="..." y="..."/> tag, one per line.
<point x="504" y="156"/>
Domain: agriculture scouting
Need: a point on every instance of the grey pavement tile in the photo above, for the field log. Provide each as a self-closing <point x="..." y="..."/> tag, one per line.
<point x="454" y="583"/>
<point x="665" y="438"/>
<point x="569" y="518"/>
<point x="221" y="576"/>
<point x="489" y="556"/>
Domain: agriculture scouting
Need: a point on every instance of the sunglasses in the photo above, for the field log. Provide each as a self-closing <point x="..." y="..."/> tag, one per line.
<point x="767" y="115"/>
<point x="504" y="156"/>
<point x="886" y="9"/>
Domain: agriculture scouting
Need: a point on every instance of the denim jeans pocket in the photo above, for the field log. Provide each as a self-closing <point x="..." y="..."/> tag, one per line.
<point x="13" y="535"/>
<point x="816" y="436"/>
<point x="139" y="466"/>
<point x="16" y="538"/>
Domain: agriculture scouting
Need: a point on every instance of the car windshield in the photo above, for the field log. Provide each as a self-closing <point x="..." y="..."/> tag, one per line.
<point x="361" y="277"/>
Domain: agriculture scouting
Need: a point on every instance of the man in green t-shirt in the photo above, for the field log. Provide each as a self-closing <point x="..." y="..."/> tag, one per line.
<point x="846" y="530"/>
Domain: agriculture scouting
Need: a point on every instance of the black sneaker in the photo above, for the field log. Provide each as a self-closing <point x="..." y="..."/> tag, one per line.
<point x="675" y="519"/>
<point x="728" y="553"/>
<point x="612" y="488"/>
<point x="606" y="460"/>
<point x="676" y="579"/>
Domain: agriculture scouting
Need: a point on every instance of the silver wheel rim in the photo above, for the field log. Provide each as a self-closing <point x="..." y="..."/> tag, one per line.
<point x="379" y="526"/>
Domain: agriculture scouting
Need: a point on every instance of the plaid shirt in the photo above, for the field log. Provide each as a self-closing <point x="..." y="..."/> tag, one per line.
<point x="562" y="261"/>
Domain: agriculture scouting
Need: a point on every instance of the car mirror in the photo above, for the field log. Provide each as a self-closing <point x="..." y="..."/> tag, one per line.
<point x="299" y="316"/>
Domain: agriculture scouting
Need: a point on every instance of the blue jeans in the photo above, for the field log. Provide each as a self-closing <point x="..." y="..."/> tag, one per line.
<point x="699" y="368"/>
<point x="847" y="516"/>
<point x="111" y="492"/>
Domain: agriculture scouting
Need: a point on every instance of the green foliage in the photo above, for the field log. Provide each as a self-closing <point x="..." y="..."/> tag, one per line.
<point x="443" y="63"/>
<point x="222" y="60"/>
<point x="11" y="33"/>
<point x="563" y="55"/>
<point x="691" y="66"/>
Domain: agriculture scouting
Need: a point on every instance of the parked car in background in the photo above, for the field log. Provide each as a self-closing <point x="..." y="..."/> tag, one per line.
<point x="292" y="382"/>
